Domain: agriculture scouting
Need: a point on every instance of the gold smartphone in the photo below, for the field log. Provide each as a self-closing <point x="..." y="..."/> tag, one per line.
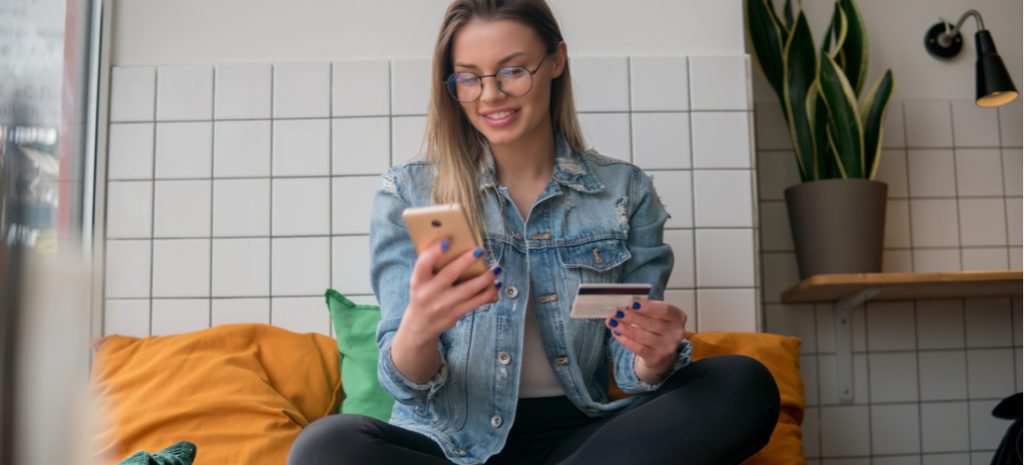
<point x="428" y="224"/>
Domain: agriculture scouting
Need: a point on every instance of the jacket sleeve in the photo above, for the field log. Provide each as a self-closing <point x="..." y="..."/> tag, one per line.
<point x="392" y="257"/>
<point x="651" y="262"/>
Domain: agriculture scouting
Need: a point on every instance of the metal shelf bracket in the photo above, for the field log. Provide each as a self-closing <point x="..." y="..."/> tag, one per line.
<point x="844" y="341"/>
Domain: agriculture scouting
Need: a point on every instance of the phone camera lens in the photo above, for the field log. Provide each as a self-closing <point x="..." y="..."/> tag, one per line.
<point x="435" y="223"/>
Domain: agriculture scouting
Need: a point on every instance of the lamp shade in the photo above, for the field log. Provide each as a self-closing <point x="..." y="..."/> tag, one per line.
<point x="994" y="86"/>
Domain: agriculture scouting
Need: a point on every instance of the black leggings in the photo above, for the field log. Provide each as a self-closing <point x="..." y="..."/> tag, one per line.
<point x="718" y="410"/>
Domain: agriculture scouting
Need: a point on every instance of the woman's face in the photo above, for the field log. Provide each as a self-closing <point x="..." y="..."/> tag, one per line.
<point x="484" y="47"/>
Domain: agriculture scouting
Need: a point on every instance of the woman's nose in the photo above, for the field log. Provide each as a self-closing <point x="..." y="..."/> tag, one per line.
<point x="492" y="90"/>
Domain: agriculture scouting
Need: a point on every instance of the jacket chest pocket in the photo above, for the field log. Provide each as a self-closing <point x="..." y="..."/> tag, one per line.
<point x="595" y="261"/>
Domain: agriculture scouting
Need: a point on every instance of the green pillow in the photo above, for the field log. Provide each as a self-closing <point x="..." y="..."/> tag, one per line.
<point x="182" y="453"/>
<point x="355" y="327"/>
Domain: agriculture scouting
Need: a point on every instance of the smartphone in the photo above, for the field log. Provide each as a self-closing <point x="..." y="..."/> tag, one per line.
<point x="428" y="224"/>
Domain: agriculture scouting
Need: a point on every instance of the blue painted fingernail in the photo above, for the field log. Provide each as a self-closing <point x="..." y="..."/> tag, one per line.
<point x="478" y="252"/>
<point x="497" y="285"/>
<point x="444" y="245"/>
<point x="619" y="314"/>
<point x="613" y="323"/>
<point x="636" y="305"/>
<point x="616" y="333"/>
<point x="497" y="270"/>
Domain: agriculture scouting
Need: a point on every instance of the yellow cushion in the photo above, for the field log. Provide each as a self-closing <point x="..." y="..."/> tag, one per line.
<point x="780" y="355"/>
<point x="241" y="393"/>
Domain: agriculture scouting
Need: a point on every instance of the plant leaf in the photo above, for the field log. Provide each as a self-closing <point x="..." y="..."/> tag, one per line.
<point x="817" y="116"/>
<point x="787" y="14"/>
<point x="801" y="65"/>
<point x="837" y="30"/>
<point x="845" y="130"/>
<point x="855" y="47"/>
<point x="767" y="37"/>
<point x="872" y="112"/>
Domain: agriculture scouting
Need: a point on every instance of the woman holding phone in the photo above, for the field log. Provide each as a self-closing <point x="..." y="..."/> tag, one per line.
<point x="492" y="369"/>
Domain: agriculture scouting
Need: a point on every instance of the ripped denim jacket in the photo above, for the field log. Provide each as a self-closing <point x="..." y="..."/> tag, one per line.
<point x="598" y="220"/>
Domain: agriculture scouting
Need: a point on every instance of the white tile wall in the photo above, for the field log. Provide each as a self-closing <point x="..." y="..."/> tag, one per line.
<point x="183" y="150"/>
<point x="241" y="207"/>
<point x="721" y="139"/>
<point x="240" y="267"/>
<point x="676" y="191"/>
<point x="242" y="91"/>
<point x="184" y="92"/>
<point x="661" y="140"/>
<point x="659" y="84"/>
<point x="239" y="192"/>
<point x="181" y="268"/>
<point x="600" y="83"/>
<point x="360" y="145"/>
<point x="926" y="372"/>
<point x="719" y="83"/>
<point x="130" y="151"/>
<point x="132" y="94"/>
<point x="129" y="209"/>
<point x="360" y="88"/>
<point x="241" y="148"/>
<point x="301" y="147"/>
<point x="723" y="198"/>
<point x="301" y="314"/>
<point x="302" y="90"/>
<point x="410" y="86"/>
<point x="234" y="311"/>
<point x="181" y="208"/>
<point x="301" y="206"/>
<point x="607" y="133"/>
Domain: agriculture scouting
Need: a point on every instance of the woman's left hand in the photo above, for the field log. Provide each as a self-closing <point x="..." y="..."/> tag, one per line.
<point x="651" y="329"/>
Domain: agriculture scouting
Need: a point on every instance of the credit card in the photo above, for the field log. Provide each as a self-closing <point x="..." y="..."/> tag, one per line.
<point x="601" y="300"/>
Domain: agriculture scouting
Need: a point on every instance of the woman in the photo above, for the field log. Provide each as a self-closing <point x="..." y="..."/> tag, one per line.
<point x="515" y="380"/>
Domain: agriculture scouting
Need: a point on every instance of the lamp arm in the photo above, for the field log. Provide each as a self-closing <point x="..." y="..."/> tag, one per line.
<point x="946" y="38"/>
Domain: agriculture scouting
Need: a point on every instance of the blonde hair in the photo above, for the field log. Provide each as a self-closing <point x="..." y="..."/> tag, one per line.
<point x="453" y="145"/>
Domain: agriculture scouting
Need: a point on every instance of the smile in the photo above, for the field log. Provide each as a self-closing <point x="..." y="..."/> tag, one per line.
<point x="500" y="117"/>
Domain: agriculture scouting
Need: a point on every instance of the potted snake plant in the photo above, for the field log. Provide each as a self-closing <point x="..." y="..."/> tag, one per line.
<point x="837" y="212"/>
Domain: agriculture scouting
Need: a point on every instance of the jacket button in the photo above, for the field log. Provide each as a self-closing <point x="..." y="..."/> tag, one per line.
<point x="496" y="421"/>
<point x="460" y="452"/>
<point x="511" y="292"/>
<point x="504" y="358"/>
<point x="561" y="361"/>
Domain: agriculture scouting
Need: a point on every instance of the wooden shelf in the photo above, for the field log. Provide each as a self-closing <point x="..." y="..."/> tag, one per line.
<point x="895" y="286"/>
<point x="851" y="290"/>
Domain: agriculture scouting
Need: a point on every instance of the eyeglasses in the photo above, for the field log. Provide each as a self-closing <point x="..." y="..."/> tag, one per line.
<point x="513" y="81"/>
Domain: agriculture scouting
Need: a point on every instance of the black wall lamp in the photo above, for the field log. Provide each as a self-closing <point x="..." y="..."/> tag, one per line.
<point x="993" y="84"/>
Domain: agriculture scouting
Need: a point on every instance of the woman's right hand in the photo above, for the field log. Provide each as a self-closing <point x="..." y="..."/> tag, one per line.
<point x="435" y="304"/>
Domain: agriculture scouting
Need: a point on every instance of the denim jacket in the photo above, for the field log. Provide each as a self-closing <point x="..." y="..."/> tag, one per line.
<point x="598" y="220"/>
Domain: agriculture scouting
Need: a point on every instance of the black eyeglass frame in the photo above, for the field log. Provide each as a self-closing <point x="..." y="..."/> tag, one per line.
<point x="450" y="82"/>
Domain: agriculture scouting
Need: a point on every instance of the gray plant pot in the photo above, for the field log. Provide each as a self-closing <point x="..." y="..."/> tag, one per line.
<point x="838" y="225"/>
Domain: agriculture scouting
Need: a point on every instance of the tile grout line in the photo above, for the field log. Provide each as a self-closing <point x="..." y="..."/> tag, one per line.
<point x="1002" y="179"/>
<point x="693" y="195"/>
<point x="152" y="200"/>
<point x="330" y="187"/>
<point x="917" y="362"/>
<point x="967" y="369"/>
<point x="867" y="371"/>
<point x="270" y="201"/>
<point x="906" y="170"/>
<point x="213" y="135"/>
<point x="956" y="189"/>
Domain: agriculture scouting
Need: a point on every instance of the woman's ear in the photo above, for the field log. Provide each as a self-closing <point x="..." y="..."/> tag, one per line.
<point x="560" y="56"/>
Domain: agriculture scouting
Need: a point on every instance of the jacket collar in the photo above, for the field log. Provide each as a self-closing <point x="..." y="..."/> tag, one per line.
<point x="570" y="171"/>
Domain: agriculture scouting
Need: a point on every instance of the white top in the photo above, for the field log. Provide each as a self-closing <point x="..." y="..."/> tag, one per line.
<point x="536" y="379"/>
